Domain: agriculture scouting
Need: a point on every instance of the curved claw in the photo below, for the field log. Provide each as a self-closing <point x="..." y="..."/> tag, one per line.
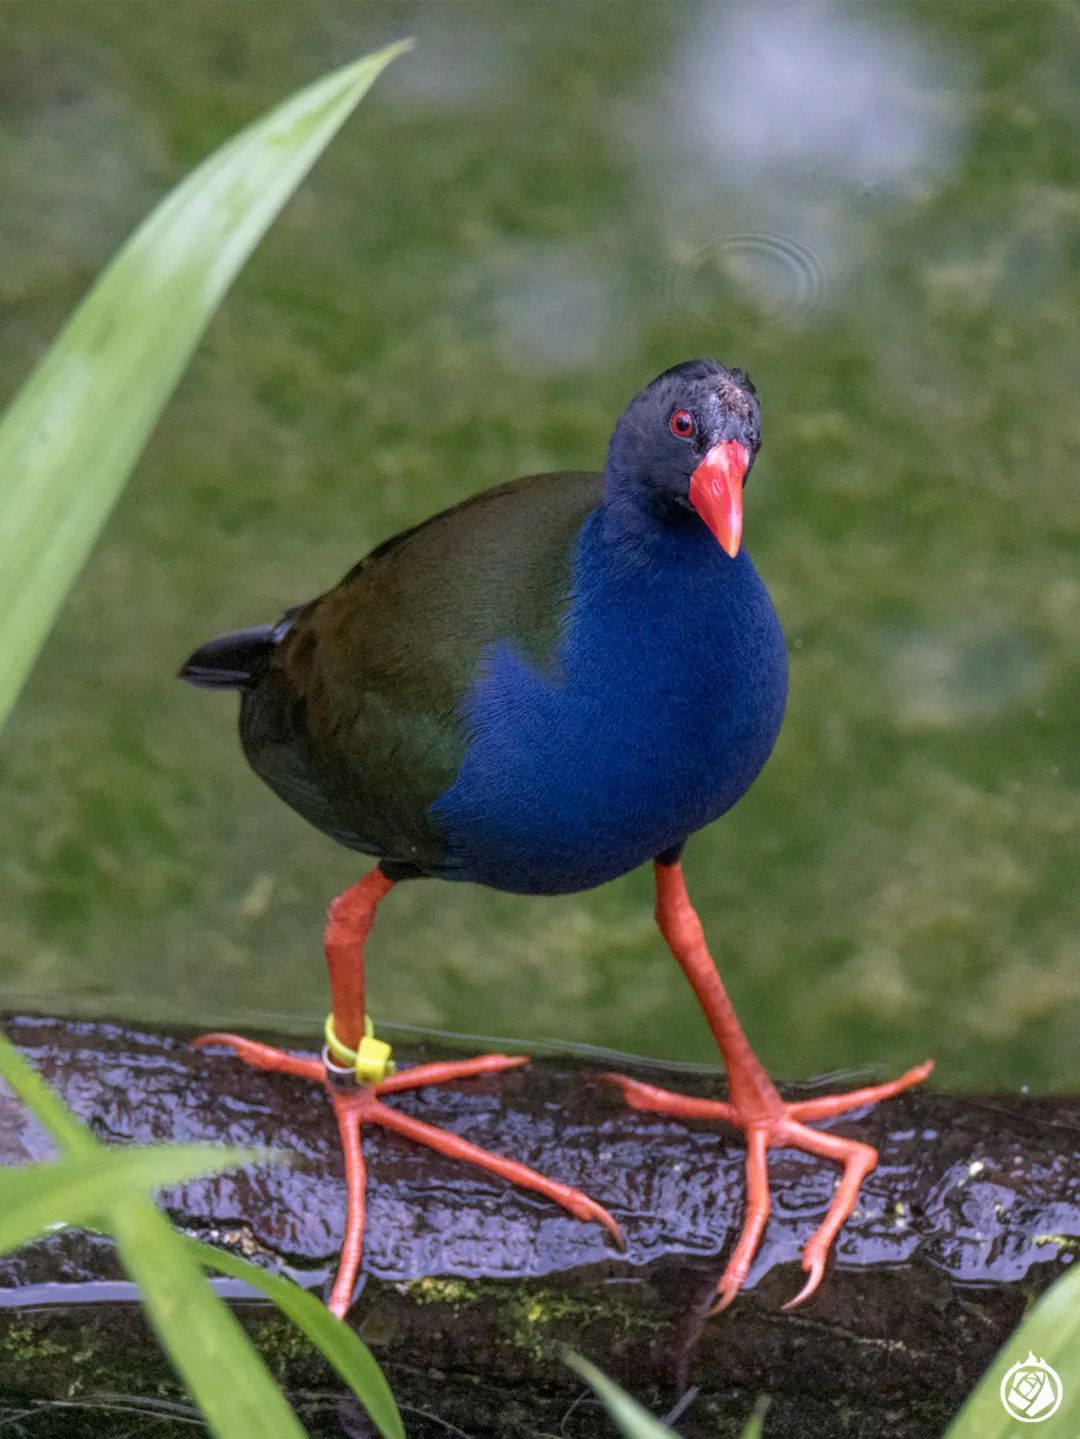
<point x="816" y="1272"/>
<point x="610" y="1223"/>
<point x="586" y="1209"/>
<point x="728" y="1292"/>
<point x="575" y="1202"/>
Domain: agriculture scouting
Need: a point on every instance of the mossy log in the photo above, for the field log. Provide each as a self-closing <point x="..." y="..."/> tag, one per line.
<point x="471" y="1287"/>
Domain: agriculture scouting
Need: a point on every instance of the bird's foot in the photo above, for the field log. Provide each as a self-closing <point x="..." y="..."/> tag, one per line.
<point x="356" y="1104"/>
<point x="769" y="1122"/>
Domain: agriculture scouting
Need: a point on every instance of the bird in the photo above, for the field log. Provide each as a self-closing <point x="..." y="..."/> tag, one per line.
<point x="539" y="689"/>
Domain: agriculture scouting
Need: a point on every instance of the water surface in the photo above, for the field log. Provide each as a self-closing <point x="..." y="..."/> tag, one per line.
<point x="873" y="208"/>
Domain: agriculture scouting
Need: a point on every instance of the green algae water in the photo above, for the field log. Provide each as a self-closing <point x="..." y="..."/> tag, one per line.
<point x="875" y="209"/>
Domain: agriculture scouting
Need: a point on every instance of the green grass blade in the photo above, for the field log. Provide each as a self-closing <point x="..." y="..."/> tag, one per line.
<point x="100" y="1188"/>
<point x="345" y="1350"/>
<point x="630" y="1418"/>
<point x="75" y="430"/>
<point x="50" y="1112"/>
<point x="1051" y="1332"/>
<point x="634" y="1421"/>
<point x="755" y="1425"/>
<point x="211" y="1353"/>
<point x="82" y="1188"/>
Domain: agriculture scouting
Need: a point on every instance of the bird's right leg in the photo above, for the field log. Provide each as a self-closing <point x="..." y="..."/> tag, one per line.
<point x="356" y="1070"/>
<point x="754" y="1104"/>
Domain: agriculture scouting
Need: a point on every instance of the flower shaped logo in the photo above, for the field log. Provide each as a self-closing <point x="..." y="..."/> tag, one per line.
<point x="1031" y="1391"/>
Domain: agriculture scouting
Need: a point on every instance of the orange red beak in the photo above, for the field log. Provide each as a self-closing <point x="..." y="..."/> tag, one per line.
<point x="716" y="492"/>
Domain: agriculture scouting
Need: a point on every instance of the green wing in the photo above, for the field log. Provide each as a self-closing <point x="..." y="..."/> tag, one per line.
<point x="356" y="721"/>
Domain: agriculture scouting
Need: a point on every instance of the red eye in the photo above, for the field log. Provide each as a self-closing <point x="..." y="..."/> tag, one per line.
<point x="682" y="424"/>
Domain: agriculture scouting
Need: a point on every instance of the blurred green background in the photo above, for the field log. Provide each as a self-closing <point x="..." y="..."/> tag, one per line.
<point x="875" y="208"/>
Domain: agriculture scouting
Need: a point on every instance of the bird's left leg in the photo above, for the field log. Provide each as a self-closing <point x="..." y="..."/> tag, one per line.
<point x="357" y="1071"/>
<point x="754" y="1104"/>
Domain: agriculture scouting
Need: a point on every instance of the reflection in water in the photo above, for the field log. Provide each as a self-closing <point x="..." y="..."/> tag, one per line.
<point x="819" y="91"/>
<point x="791" y="129"/>
<point x="782" y="276"/>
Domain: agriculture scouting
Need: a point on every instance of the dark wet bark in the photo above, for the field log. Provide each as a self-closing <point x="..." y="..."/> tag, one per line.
<point x="472" y="1286"/>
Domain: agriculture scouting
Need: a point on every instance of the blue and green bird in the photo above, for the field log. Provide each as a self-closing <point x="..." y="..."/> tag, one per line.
<point x="538" y="690"/>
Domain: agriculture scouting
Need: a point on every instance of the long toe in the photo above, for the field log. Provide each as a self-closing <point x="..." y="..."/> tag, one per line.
<point x="858" y="1161"/>
<point x="828" y="1106"/>
<point x="443" y="1141"/>
<point x="350" y="1107"/>
<point x="349" y="1110"/>
<point x="264" y="1056"/>
<point x="650" y="1099"/>
<point x="758" y="1204"/>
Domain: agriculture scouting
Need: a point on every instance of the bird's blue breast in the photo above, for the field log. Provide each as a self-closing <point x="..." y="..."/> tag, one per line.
<point x="656" y="713"/>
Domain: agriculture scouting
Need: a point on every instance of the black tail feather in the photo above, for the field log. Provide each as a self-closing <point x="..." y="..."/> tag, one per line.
<point x="231" y="662"/>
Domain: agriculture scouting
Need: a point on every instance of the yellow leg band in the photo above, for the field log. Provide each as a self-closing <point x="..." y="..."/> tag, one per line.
<point x="370" y="1061"/>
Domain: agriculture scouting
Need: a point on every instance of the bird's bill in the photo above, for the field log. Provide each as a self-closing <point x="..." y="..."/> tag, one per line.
<point x="716" y="490"/>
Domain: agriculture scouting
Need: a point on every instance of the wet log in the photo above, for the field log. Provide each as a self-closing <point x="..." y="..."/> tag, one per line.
<point x="472" y="1287"/>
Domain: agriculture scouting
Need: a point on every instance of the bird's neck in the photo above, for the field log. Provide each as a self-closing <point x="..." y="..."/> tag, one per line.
<point x="642" y="519"/>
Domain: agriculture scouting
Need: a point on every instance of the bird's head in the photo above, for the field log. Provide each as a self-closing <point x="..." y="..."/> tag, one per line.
<point x="686" y="443"/>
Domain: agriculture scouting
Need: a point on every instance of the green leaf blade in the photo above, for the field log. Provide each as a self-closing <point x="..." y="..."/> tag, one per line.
<point x="631" y="1419"/>
<point x="77" y="427"/>
<point x="97" y="1187"/>
<point x="82" y="1188"/>
<point x="344" y="1349"/>
<point x="1051" y="1332"/>
<point x="210" y="1351"/>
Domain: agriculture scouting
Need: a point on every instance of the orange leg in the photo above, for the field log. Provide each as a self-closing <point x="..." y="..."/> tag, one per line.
<point x="348" y="926"/>
<point x="754" y="1105"/>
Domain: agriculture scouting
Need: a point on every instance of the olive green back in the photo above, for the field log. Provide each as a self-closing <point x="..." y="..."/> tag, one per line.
<point x="357" y="721"/>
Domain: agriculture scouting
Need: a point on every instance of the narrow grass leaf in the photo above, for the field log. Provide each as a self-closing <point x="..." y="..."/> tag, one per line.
<point x="1049" y="1335"/>
<point x="631" y="1419"/>
<point x="81" y="1188"/>
<point x="755" y="1425"/>
<point x="344" y="1349"/>
<point x="50" y="1112"/>
<point x="73" y="434"/>
<point x="220" y="1369"/>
